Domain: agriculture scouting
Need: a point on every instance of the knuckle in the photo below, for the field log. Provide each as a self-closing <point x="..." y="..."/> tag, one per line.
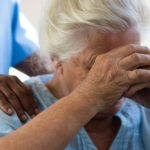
<point x="131" y="76"/>
<point x="131" y="47"/>
<point x="106" y="58"/>
<point x="138" y="73"/>
<point x="135" y="57"/>
<point x="146" y="49"/>
<point x="98" y="58"/>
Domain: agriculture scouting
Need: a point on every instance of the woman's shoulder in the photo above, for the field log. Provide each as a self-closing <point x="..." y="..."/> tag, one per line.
<point x="42" y="94"/>
<point x="9" y="124"/>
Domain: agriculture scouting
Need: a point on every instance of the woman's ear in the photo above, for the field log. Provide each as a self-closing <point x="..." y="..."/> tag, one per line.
<point x="57" y="64"/>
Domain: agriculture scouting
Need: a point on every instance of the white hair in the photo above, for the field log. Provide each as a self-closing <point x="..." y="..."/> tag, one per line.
<point x="66" y="28"/>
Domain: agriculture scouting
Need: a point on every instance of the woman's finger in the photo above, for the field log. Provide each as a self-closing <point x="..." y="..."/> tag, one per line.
<point x="134" y="61"/>
<point x="128" y="50"/>
<point x="135" y="88"/>
<point x="137" y="76"/>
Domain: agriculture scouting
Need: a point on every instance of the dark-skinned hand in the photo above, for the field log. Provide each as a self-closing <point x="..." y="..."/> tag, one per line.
<point x="17" y="95"/>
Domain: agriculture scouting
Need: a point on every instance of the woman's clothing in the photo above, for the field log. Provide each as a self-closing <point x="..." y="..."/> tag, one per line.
<point x="134" y="133"/>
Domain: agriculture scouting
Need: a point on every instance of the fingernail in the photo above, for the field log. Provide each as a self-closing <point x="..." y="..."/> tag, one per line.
<point x="37" y="111"/>
<point x="10" y="111"/>
<point x="24" y="117"/>
<point x="32" y="116"/>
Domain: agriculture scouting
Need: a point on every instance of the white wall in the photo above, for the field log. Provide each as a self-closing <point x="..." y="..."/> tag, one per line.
<point x="32" y="10"/>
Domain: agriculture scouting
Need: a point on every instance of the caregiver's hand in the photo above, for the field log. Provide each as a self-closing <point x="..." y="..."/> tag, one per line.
<point x="113" y="74"/>
<point x="17" y="94"/>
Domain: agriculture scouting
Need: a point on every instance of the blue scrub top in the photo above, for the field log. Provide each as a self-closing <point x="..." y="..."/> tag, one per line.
<point x="14" y="44"/>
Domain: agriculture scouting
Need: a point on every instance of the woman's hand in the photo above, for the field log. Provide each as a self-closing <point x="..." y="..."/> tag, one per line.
<point x="18" y="95"/>
<point x="140" y="93"/>
<point x="113" y="73"/>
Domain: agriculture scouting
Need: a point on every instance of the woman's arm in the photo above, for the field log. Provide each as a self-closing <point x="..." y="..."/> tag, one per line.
<point x="54" y="128"/>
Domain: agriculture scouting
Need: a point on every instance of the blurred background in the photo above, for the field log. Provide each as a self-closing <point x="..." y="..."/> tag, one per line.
<point x="31" y="11"/>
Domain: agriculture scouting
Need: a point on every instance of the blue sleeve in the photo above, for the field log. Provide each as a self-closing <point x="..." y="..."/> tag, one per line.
<point x="23" y="45"/>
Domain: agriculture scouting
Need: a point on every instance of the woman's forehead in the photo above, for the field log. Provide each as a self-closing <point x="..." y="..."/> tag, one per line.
<point x="108" y="41"/>
<point x="105" y="42"/>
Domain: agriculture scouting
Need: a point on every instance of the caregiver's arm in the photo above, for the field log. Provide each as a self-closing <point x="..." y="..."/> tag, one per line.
<point x="106" y="82"/>
<point x="36" y="64"/>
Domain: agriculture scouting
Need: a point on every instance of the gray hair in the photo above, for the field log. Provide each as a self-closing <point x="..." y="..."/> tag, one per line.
<point x="67" y="24"/>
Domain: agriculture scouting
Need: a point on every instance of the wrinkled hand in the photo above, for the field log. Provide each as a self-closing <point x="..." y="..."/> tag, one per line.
<point x="17" y="94"/>
<point x="140" y="93"/>
<point x="113" y="73"/>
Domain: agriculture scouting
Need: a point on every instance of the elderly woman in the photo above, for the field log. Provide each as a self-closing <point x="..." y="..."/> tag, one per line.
<point x="95" y="48"/>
